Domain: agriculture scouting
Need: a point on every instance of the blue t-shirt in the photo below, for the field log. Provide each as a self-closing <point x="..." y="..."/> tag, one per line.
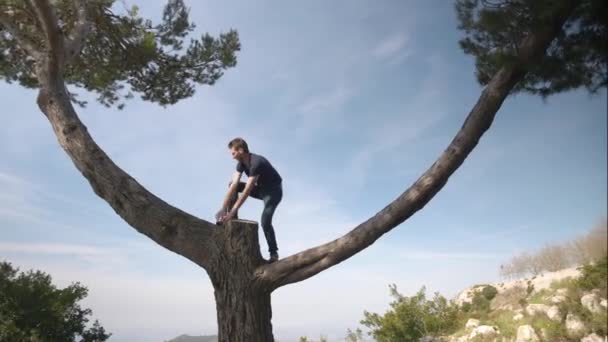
<point x="259" y="166"/>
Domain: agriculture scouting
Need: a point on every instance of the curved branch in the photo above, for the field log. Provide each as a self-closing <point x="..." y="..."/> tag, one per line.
<point x="52" y="62"/>
<point x="78" y="34"/>
<point x="305" y="264"/>
<point x="168" y="226"/>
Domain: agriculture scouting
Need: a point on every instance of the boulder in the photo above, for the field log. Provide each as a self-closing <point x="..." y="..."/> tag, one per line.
<point x="472" y="323"/>
<point x="557" y="299"/>
<point x="591" y="302"/>
<point x="574" y="325"/>
<point x="526" y="333"/>
<point x="533" y="309"/>
<point x="604" y="303"/>
<point x="554" y="314"/>
<point x="484" y="331"/>
<point x="518" y="317"/>
<point x="592" y="338"/>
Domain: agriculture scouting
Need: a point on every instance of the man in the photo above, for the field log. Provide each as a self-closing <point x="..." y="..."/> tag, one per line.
<point x="263" y="182"/>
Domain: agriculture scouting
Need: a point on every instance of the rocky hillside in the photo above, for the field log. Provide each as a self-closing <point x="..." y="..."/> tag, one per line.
<point x="555" y="306"/>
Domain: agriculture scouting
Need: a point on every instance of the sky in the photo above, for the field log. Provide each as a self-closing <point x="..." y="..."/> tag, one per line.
<point x="351" y="101"/>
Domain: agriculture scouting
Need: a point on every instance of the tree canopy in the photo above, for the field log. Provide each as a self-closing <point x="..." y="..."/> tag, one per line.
<point x="33" y="309"/>
<point x="122" y="53"/>
<point x="494" y="30"/>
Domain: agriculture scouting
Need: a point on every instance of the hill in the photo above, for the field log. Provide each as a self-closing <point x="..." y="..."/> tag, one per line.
<point x="187" y="338"/>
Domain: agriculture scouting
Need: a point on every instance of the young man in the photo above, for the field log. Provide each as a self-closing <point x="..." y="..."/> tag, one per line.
<point x="263" y="182"/>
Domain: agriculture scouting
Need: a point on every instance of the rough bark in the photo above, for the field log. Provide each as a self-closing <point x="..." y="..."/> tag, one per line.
<point x="243" y="305"/>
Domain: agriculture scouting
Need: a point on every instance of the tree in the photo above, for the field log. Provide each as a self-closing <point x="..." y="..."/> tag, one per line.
<point x="49" y="42"/>
<point x="575" y="58"/>
<point x="33" y="309"/>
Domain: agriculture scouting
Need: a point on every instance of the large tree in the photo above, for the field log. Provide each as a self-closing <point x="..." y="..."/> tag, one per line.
<point x="33" y="309"/>
<point x="48" y="44"/>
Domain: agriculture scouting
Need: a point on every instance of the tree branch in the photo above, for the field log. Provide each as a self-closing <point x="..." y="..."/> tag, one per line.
<point x="305" y="264"/>
<point x="78" y="34"/>
<point x="54" y="40"/>
<point x="168" y="226"/>
<point x="25" y="42"/>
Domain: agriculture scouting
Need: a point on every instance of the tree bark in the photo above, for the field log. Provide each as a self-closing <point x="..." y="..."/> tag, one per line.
<point x="244" y="312"/>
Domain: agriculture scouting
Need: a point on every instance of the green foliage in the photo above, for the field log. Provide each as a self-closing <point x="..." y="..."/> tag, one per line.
<point x="503" y="319"/>
<point x="124" y="53"/>
<point x="33" y="309"/>
<point x="410" y="318"/>
<point x="489" y="292"/>
<point x="354" y="336"/>
<point x="595" y="276"/>
<point x="554" y="331"/>
<point x="493" y="31"/>
<point x="480" y="304"/>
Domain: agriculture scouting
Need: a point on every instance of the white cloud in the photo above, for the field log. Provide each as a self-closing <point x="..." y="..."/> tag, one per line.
<point x="416" y="116"/>
<point x="394" y="48"/>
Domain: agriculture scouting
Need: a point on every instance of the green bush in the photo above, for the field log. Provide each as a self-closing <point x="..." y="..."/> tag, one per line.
<point x="410" y="318"/>
<point x="489" y="292"/>
<point x="480" y="303"/>
<point x="595" y="276"/>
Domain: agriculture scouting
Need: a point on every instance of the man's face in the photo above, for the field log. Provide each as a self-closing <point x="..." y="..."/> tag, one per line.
<point x="237" y="154"/>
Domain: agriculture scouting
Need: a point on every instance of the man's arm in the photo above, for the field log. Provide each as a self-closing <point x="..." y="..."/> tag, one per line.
<point x="248" y="187"/>
<point x="236" y="178"/>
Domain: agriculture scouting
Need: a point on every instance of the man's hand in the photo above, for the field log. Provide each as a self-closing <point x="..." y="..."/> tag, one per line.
<point x="219" y="216"/>
<point x="231" y="214"/>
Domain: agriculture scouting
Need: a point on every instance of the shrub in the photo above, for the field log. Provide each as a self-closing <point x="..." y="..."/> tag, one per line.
<point x="480" y="303"/>
<point x="489" y="292"/>
<point x="410" y="318"/>
<point x="595" y="276"/>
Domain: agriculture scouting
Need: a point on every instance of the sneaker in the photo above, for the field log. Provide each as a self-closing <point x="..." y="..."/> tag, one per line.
<point x="274" y="256"/>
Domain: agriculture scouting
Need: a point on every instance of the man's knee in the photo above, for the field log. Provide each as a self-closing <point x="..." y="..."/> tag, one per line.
<point x="266" y="221"/>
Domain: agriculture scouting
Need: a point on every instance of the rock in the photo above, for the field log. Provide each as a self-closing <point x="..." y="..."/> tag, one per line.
<point x="592" y="338"/>
<point x="484" y="331"/>
<point x="561" y="292"/>
<point x="518" y="317"/>
<point x="526" y="333"/>
<point x="534" y="309"/>
<point x="557" y="299"/>
<point x="591" y="302"/>
<point x="472" y="324"/>
<point x="604" y="303"/>
<point x="574" y="325"/>
<point x="554" y="314"/>
<point x="430" y="339"/>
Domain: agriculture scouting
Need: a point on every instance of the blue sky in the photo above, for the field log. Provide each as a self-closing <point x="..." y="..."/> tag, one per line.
<point x="351" y="101"/>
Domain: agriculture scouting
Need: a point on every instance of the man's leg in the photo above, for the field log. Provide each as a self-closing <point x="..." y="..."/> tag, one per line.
<point x="254" y="193"/>
<point x="271" y="201"/>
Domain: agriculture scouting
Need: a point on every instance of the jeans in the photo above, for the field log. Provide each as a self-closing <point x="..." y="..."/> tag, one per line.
<point x="271" y="196"/>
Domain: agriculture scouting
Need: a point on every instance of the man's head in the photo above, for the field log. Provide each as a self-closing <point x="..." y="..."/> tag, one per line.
<point x="238" y="149"/>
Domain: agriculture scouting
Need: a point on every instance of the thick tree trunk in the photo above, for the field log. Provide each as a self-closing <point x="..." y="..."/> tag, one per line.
<point x="243" y="305"/>
<point x="243" y="315"/>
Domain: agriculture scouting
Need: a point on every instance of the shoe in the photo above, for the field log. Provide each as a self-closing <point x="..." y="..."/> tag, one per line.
<point x="274" y="257"/>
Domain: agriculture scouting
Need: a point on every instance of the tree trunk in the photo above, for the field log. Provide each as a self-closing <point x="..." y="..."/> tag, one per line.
<point x="243" y="315"/>
<point x="243" y="305"/>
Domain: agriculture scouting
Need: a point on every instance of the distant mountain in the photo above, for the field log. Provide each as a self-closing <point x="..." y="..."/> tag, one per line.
<point x="187" y="338"/>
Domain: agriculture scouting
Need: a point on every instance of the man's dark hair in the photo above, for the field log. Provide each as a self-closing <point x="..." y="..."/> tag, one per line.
<point x="238" y="143"/>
